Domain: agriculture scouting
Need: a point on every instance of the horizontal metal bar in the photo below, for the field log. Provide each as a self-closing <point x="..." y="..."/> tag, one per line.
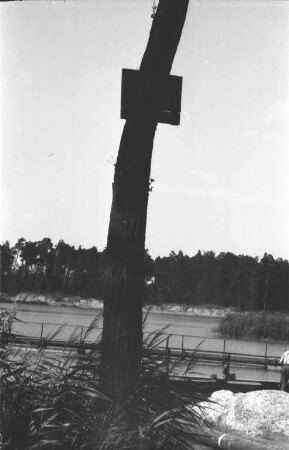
<point x="58" y="324"/>
<point x="220" y="353"/>
<point x="220" y="338"/>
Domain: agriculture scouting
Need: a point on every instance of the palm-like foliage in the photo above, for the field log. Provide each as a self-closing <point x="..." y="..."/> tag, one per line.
<point x="52" y="400"/>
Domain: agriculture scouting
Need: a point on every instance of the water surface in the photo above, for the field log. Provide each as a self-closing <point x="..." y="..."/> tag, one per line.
<point x="183" y="331"/>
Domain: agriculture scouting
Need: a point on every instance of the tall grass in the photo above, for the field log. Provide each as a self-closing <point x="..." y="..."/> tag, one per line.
<point x="52" y="400"/>
<point x="274" y="326"/>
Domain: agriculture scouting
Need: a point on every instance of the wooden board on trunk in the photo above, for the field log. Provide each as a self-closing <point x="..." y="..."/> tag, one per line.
<point x="149" y="97"/>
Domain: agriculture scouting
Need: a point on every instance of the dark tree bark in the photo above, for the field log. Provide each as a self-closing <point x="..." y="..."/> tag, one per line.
<point x="123" y="283"/>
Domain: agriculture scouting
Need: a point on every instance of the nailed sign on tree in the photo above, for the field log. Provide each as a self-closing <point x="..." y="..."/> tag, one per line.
<point x="148" y="97"/>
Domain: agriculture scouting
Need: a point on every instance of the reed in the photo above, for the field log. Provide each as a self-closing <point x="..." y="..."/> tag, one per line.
<point x="273" y="326"/>
<point x="58" y="401"/>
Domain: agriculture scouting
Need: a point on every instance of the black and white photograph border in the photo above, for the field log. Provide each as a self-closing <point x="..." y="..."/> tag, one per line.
<point x="144" y="224"/>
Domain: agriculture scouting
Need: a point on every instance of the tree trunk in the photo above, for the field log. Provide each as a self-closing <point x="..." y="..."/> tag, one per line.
<point x="123" y="282"/>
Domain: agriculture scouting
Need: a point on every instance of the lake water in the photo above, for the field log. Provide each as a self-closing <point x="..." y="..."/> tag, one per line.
<point x="182" y="330"/>
<point x="52" y="317"/>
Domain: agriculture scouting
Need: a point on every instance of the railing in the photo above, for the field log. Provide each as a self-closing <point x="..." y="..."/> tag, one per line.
<point x="174" y="344"/>
<point x="174" y="350"/>
<point x="164" y="333"/>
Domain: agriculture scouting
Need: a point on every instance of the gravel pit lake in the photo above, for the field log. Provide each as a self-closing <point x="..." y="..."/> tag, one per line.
<point x="183" y="330"/>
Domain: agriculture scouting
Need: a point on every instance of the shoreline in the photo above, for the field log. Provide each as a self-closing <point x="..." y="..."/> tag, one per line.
<point x="60" y="300"/>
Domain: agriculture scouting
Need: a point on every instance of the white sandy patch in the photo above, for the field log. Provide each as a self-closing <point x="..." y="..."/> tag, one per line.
<point x="76" y="301"/>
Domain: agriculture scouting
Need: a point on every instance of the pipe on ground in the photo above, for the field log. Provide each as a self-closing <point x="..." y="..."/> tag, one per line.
<point x="217" y="439"/>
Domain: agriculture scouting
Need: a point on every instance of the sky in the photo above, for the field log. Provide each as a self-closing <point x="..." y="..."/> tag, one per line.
<point x="220" y="178"/>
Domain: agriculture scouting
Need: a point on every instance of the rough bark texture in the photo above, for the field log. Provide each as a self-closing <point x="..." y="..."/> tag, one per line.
<point x="122" y="324"/>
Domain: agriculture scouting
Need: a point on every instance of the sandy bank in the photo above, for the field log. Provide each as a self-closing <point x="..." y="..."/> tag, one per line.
<point x="79" y="302"/>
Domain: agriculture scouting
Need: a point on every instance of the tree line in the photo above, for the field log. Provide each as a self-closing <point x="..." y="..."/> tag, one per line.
<point x="226" y="279"/>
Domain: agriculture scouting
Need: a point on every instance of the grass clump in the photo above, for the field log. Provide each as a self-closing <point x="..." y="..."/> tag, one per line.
<point x="52" y="400"/>
<point x="273" y="326"/>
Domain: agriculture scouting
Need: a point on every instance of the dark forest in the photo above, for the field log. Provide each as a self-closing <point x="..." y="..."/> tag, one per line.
<point x="244" y="282"/>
